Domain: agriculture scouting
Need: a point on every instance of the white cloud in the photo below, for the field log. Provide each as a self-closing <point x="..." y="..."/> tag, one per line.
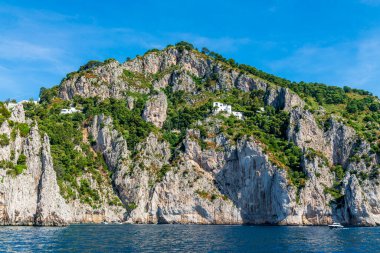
<point x="23" y="50"/>
<point x="371" y="2"/>
<point x="352" y="63"/>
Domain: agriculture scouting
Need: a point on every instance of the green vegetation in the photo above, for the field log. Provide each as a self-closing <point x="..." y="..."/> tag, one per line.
<point x="127" y="122"/>
<point x="14" y="169"/>
<point x="72" y="157"/>
<point x="115" y="201"/>
<point x="374" y="174"/>
<point x="70" y="145"/>
<point x="137" y="80"/>
<point x="335" y="190"/>
<point x="47" y="95"/>
<point x="184" y="45"/>
<point x="180" y="116"/>
<point x="269" y="126"/>
<point x="210" y="196"/>
<point x="339" y="172"/>
<point x="131" y="206"/>
<point x="22" y="128"/>
<point x="338" y="198"/>
<point x="311" y="154"/>
<point x="86" y="69"/>
<point x="153" y="50"/>
<point x="21" y="164"/>
<point x="4" y="140"/>
<point x="357" y="108"/>
<point x="162" y="172"/>
<point x="88" y="195"/>
<point x="4" y="113"/>
<point x="90" y="65"/>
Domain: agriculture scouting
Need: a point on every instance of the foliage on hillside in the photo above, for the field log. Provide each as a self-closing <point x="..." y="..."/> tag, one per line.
<point x="357" y="108"/>
<point x="269" y="127"/>
<point x="4" y="113"/>
<point x="73" y="156"/>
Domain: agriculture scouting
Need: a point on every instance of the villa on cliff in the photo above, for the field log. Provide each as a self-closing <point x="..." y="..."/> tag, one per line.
<point x="220" y="107"/>
<point x="70" y="110"/>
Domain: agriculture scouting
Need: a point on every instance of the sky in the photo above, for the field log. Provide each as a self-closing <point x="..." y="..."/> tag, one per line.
<point x="336" y="42"/>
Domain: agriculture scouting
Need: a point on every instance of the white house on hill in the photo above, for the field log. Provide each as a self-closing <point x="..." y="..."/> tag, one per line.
<point x="220" y="107"/>
<point x="70" y="111"/>
<point x="238" y="115"/>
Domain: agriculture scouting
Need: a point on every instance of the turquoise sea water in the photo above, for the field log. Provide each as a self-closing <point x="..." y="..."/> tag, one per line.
<point x="188" y="238"/>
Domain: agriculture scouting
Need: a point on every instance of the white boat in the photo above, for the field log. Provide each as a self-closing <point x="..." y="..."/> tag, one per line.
<point x="336" y="225"/>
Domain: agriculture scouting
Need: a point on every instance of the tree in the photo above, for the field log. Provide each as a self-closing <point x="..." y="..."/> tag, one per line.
<point x="205" y="50"/>
<point x="232" y="62"/>
<point x="90" y="65"/>
<point x="46" y="95"/>
<point x="374" y="107"/>
<point x="352" y="108"/>
<point x="347" y="89"/>
<point x="184" y="44"/>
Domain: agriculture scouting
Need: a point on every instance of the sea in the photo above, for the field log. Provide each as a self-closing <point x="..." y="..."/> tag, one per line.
<point x="188" y="238"/>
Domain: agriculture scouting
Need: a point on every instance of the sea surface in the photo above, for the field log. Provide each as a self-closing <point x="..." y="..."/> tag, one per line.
<point x="187" y="238"/>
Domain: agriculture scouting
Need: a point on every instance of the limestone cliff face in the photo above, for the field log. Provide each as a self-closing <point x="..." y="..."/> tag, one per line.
<point x="224" y="182"/>
<point x="155" y="110"/>
<point x="51" y="207"/>
<point x="361" y="202"/>
<point x="338" y="143"/>
<point x="237" y="184"/>
<point x="18" y="195"/>
<point x="32" y="197"/>
<point x="171" y="67"/>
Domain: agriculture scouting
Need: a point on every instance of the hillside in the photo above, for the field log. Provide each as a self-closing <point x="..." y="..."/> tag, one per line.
<point x="148" y="147"/>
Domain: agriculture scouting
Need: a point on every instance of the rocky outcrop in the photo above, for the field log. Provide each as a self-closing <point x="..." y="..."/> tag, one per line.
<point x="316" y="204"/>
<point x="17" y="113"/>
<point x="361" y="202"/>
<point x="304" y="131"/>
<point x="171" y="67"/>
<point x="237" y="184"/>
<point x="51" y="207"/>
<point x="336" y="141"/>
<point x="283" y="99"/>
<point x="155" y="110"/>
<point x="258" y="188"/>
<point x="31" y="195"/>
<point x="19" y="194"/>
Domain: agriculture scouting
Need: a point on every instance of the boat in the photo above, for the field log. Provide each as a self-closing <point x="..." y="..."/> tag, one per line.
<point x="336" y="225"/>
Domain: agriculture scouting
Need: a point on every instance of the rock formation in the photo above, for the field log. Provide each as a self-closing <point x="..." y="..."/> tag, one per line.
<point x="207" y="178"/>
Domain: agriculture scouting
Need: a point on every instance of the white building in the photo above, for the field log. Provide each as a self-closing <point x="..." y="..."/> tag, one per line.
<point x="220" y="107"/>
<point x="261" y="109"/>
<point x="238" y="115"/>
<point x="69" y="111"/>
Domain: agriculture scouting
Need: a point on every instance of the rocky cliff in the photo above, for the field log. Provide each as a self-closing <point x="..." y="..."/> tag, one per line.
<point x="29" y="193"/>
<point x="181" y="168"/>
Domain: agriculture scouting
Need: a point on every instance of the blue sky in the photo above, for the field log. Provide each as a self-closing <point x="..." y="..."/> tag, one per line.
<point x="336" y="42"/>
